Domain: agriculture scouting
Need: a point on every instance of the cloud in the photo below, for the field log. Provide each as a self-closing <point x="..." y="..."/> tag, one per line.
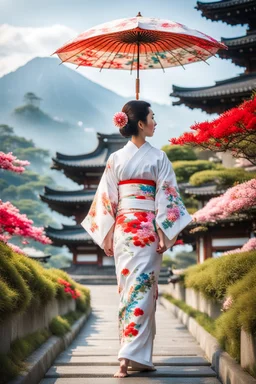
<point x="18" y="45"/>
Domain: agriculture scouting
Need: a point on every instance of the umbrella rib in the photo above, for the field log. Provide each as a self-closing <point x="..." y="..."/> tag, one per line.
<point x="84" y="47"/>
<point x="116" y="54"/>
<point x="106" y="60"/>
<point x="173" y="55"/>
<point x="99" y="56"/>
<point x="157" y="53"/>
<point x="189" y="51"/>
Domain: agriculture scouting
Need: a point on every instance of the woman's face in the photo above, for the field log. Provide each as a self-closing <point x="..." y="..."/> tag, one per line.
<point x="149" y="126"/>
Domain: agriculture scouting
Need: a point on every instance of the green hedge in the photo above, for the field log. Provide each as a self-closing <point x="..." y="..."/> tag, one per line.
<point x="184" y="169"/>
<point x="214" y="276"/>
<point x="24" y="282"/>
<point x="224" y="178"/>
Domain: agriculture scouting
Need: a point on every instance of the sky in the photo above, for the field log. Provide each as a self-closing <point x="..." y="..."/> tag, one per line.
<point x="32" y="28"/>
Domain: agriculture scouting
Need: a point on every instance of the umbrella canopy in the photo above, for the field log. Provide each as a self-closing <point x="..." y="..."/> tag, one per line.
<point x="139" y="43"/>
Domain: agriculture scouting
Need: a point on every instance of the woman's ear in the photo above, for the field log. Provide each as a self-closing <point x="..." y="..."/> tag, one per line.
<point x="140" y="124"/>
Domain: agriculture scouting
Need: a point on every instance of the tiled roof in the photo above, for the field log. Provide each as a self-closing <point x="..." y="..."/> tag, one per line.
<point x="79" y="196"/>
<point x="68" y="234"/>
<point x="210" y="189"/>
<point x="243" y="84"/>
<point x="222" y="4"/>
<point x="250" y="38"/>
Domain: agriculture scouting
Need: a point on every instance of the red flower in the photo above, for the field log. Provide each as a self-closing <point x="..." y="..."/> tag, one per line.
<point x="140" y="197"/>
<point x="151" y="238"/>
<point x="125" y="272"/>
<point x="138" y="312"/>
<point x="137" y="243"/>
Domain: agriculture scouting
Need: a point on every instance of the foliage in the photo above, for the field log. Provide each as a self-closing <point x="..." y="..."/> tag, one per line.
<point x="180" y="260"/>
<point x="184" y="169"/>
<point x="236" y="199"/>
<point x="224" y="178"/>
<point x="213" y="277"/>
<point x="59" y="326"/>
<point x="12" y="363"/>
<point x="24" y="282"/>
<point x="204" y="320"/>
<point x="232" y="131"/>
<point x="179" y="152"/>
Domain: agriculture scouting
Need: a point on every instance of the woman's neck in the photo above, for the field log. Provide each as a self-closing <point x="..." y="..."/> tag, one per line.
<point x="138" y="141"/>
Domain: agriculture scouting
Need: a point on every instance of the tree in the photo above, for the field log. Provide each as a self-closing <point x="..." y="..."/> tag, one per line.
<point x="179" y="152"/>
<point x="12" y="222"/>
<point x="232" y="131"/>
<point x="31" y="99"/>
<point x="239" y="198"/>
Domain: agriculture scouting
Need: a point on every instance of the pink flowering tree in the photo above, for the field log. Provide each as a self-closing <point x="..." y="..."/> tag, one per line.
<point x="241" y="197"/>
<point x="12" y="222"/>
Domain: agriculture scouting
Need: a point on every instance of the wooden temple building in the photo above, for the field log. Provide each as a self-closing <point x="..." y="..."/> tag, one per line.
<point x="213" y="238"/>
<point x="86" y="170"/>
<point x="231" y="92"/>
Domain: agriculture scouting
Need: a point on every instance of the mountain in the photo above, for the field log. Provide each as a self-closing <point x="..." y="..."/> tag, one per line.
<point x="68" y="97"/>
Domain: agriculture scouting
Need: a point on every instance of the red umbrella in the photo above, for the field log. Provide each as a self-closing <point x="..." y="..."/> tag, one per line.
<point x="139" y="43"/>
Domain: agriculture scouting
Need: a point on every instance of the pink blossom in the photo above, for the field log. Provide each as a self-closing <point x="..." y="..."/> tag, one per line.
<point x="173" y="214"/>
<point x="16" y="249"/>
<point x="249" y="246"/>
<point x="14" y="223"/>
<point x="238" y="198"/>
<point x="11" y="163"/>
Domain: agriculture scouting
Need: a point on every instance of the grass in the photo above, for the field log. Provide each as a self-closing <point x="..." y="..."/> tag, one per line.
<point x="204" y="320"/>
<point x="12" y="363"/>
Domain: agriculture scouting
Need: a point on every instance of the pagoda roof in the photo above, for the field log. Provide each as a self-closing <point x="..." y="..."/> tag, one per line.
<point x="217" y="98"/>
<point x="98" y="157"/>
<point x="68" y="203"/>
<point x="68" y="235"/>
<point x="232" y="12"/>
<point x="241" y="51"/>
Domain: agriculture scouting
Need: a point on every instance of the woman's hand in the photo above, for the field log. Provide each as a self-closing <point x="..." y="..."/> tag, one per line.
<point x="161" y="246"/>
<point x="108" y="243"/>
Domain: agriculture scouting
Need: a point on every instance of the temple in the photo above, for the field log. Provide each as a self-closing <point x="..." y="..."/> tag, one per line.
<point x="86" y="170"/>
<point x="231" y="92"/>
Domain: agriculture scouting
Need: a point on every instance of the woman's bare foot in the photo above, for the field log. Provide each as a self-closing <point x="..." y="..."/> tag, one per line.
<point x="122" y="372"/>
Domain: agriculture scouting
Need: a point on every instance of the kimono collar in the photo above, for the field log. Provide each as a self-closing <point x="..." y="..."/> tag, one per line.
<point x="134" y="146"/>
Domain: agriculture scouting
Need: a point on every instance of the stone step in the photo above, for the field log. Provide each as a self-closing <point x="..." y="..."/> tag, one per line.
<point x="96" y="270"/>
<point x="106" y="279"/>
<point x="107" y="371"/>
<point x="66" y="358"/>
<point x="132" y="380"/>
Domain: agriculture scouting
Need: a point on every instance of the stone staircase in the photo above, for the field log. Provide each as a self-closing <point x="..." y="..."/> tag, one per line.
<point x="95" y="275"/>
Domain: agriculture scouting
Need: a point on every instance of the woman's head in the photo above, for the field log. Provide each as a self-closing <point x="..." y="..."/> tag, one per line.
<point x="140" y="119"/>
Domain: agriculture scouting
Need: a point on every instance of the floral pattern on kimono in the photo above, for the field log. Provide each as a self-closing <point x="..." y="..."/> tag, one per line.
<point x="102" y="213"/>
<point x="171" y="214"/>
<point x="130" y="313"/>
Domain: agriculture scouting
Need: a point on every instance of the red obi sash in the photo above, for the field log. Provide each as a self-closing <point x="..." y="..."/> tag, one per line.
<point x="139" y="181"/>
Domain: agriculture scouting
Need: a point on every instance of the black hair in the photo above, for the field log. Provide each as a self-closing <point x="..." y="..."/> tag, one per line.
<point x="136" y="110"/>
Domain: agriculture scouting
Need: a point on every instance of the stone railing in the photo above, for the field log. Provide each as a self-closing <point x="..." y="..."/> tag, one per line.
<point x="213" y="309"/>
<point x="34" y="319"/>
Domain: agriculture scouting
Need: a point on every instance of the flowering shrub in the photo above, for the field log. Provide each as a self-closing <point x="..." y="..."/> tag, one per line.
<point x="234" y="200"/>
<point x="11" y="163"/>
<point x="75" y="294"/>
<point x="12" y="222"/>
<point x="249" y="246"/>
<point x="234" y="131"/>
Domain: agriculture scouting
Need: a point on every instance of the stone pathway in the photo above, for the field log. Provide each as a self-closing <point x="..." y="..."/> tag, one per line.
<point x="92" y="356"/>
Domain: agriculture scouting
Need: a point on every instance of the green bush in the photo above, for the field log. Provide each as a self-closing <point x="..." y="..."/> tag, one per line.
<point x="185" y="169"/>
<point x="24" y="282"/>
<point x="214" y="276"/>
<point x="179" y="152"/>
<point x="222" y="177"/>
<point x="59" y="326"/>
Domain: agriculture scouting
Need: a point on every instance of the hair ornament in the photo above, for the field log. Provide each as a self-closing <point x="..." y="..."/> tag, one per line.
<point x="120" y="119"/>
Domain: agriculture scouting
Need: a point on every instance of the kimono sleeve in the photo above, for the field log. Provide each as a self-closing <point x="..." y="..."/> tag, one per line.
<point x="171" y="214"/>
<point x="102" y="212"/>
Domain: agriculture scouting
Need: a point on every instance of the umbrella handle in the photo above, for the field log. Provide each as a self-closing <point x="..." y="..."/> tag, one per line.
<point x="137" y="88"/>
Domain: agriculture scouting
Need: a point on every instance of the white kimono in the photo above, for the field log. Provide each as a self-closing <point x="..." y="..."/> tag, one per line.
<point x="137" y="192"/>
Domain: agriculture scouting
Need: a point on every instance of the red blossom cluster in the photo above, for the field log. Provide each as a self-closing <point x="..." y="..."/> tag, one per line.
<point x="67" y="288"/>
<point x="130" y="330"/>
<point x="11" y="163"/>
<point x="234" y="131"/>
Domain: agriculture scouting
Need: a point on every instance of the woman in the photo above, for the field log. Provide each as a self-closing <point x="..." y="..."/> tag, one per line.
<point x="136" y="215"/>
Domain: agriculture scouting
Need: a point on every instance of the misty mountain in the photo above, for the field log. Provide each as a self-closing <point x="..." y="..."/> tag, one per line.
<point x="74" y="107"/>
